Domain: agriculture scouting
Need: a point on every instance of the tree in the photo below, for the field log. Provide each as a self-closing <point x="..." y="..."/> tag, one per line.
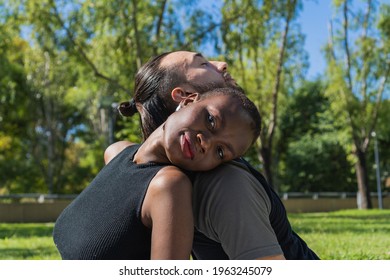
<point x="266" y="44"/>
<point x="55" y="117"/>
<point x="80" y="58"/>
<point x="64" y="64"/>
<point x="16" y="166"/>
<point x="311" y="156"/>
<point x="358" y="73"/>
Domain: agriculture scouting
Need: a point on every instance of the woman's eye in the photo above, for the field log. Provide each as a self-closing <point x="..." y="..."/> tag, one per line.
<point x="211" y="120"/>
<point x="220" y="153"/>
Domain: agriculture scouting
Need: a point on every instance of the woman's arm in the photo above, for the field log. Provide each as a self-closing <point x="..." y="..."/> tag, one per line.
<point x="167" y="210"/>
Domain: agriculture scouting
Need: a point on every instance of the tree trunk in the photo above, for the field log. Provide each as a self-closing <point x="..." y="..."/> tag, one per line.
<point x="266" y="146"/>
<point x="136" y="34"/>
<point x="266" y="157"/>
<point x="158" y="28"/>
<point x="364" y="199"/>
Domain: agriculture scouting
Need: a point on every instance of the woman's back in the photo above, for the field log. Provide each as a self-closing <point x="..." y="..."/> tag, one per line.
<point x="104" y="221"/>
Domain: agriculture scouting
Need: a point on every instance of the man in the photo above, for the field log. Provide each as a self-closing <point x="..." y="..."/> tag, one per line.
<point x="237" y="215"/>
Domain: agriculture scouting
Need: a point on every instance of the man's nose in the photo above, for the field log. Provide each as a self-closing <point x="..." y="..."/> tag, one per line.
<point x="220" y="65"/>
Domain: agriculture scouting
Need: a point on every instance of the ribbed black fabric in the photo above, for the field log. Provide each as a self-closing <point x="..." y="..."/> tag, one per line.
<point x="104" y="222"/>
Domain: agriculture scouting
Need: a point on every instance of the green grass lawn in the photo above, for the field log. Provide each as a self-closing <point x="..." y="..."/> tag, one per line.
<point x="348" y="235"/>
<point x="27" y="242"/>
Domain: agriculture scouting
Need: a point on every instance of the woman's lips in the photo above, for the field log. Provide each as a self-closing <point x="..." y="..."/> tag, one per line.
<point x="187" y="147"/>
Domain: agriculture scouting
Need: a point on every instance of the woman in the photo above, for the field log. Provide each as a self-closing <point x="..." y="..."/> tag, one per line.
<point x="139" y="205"/>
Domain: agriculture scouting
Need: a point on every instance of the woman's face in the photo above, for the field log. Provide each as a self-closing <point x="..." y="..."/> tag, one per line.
<point x="206" y="133"/>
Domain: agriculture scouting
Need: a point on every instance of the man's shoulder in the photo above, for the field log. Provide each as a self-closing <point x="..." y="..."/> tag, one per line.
<point x="233" y="176"/>
<point x="232" y="170"/>
<point x="228" y="168"/>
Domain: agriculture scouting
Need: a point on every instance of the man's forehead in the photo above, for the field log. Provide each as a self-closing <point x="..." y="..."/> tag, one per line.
<point x="179" y="57"/>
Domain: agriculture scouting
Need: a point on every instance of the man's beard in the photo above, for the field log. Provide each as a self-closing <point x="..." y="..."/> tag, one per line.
<point x="203" y="87"/>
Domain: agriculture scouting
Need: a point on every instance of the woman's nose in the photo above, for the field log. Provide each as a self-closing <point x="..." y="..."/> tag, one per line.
<point x="220" y="65"/>
<point x="204" y="141"/>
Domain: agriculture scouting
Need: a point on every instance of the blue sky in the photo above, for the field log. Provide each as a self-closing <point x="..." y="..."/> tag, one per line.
<point x="314" y="21"/>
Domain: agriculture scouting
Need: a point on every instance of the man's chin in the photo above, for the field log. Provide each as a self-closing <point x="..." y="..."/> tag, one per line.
<point x="233" y="84"/>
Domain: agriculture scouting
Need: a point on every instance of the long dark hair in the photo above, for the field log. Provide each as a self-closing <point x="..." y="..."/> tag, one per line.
<point x="151" y="94"/>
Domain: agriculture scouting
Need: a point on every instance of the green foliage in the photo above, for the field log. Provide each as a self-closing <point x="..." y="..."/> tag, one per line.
<point x="354" y="88"/>
<point x="17" y="169"/>
<point x="311" y="150"/>
<point x="264" y="43"/>
<point x="358" y="73"/>
<point x="384" y="24"/>
<point x="311" y="165"/>
<point x="58" y="74"/>
<point x="64" y="63"/>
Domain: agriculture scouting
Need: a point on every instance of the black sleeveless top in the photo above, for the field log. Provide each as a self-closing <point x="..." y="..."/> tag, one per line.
<point x="104" y="221"/>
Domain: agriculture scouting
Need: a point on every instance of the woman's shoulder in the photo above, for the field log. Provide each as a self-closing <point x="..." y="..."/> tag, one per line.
<point x="114" y="149"/>
<point x="170" y="179"/>
<point x="171" y="174"/>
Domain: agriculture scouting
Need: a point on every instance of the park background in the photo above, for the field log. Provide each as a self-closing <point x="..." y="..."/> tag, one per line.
<point x="65" y="65"/>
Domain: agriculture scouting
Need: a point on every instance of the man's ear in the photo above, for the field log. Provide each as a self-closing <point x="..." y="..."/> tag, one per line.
<point x="178" y="94"/>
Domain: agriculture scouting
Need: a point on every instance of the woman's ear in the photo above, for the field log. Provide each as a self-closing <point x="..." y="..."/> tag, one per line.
<point x="191" y="98"/>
